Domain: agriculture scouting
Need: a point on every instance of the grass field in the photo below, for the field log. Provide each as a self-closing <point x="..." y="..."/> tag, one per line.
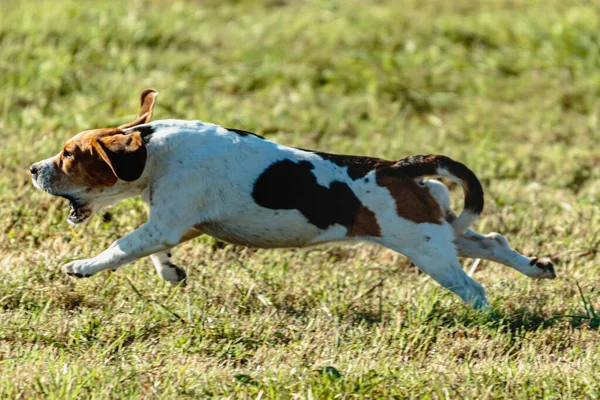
<point x="509" y="87"/>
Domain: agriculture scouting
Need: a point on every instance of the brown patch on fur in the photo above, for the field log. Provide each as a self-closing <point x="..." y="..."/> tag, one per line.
<point x="421" y="166"/>
<point x="82" y="165"/>
<point x="365" y="224"/>
<point x="413" y="202"/>
<point x="98" y="158"/>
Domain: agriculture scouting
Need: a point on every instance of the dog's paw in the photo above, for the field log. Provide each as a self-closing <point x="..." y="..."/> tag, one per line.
<point x="173" y="274"/>
<point x="77" y="269"/>
<point x="544" y="268"/>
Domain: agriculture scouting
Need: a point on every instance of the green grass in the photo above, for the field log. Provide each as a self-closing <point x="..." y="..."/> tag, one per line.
<point x="511" y="88"/>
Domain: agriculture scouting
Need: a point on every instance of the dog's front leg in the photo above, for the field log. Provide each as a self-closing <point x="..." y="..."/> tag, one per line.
<point x="147" y="239"/>
<point x="165" y="268"/>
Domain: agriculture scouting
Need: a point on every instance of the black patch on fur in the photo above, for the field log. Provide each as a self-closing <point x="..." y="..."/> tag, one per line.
<point x="145" y="131"/>
<point x="106" y="217"/>
<point x="286" y="185"/>
<point x="181" y="275"/>
<point x="244" y="133"/>
<point x="358" y="166"/>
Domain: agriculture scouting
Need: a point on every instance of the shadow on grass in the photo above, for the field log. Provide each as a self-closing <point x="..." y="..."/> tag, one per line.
<point x="366" y="317"/>
<point x="524" y="320"/>
<point x="516" y="321"/>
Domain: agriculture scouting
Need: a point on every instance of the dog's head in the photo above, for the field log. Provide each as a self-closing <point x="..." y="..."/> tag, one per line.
<point x="92" y="163"/>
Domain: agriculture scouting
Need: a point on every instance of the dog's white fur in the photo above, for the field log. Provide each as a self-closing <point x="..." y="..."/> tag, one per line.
<point x="199" y="177"/>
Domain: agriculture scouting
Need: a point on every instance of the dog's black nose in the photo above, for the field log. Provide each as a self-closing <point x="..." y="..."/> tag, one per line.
<point x="33" y="169"/>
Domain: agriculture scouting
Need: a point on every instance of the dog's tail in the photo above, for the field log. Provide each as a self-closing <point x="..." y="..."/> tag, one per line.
<point x="442" y="166"/>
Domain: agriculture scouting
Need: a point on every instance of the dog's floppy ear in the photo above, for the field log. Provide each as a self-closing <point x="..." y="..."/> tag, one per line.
<point x="125" y="154"/>
<point x="147" y="101"/>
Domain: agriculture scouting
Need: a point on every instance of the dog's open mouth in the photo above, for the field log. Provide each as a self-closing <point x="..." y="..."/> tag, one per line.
<point x="79" y="212"/>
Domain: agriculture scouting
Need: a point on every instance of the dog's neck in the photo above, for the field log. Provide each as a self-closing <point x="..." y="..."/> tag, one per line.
<point x="119" y="191"/>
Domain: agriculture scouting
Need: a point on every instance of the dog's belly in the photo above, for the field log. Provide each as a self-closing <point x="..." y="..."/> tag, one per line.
<point x="282" y="229"/>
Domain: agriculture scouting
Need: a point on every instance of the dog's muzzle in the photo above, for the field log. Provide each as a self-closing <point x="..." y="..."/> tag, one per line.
<point x="39" y="178"/>
<point x="79" y="211"/>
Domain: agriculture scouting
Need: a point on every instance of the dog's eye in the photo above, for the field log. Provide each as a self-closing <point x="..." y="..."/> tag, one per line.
<point x="67" y="154"/>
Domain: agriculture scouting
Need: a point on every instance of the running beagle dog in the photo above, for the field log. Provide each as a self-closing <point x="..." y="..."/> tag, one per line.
<point x="200" y="178"/>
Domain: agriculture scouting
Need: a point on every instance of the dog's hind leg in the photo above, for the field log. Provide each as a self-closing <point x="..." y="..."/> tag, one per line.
<point x="437" y="258"/>
<point x="167" y="270"/>
<point x="492" y="246"/>
<point x="495" y="247"/>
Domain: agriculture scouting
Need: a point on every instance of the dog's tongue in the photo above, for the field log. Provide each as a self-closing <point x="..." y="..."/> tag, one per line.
<point x="75" y="213"/>
<point x="78" y="213"/>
